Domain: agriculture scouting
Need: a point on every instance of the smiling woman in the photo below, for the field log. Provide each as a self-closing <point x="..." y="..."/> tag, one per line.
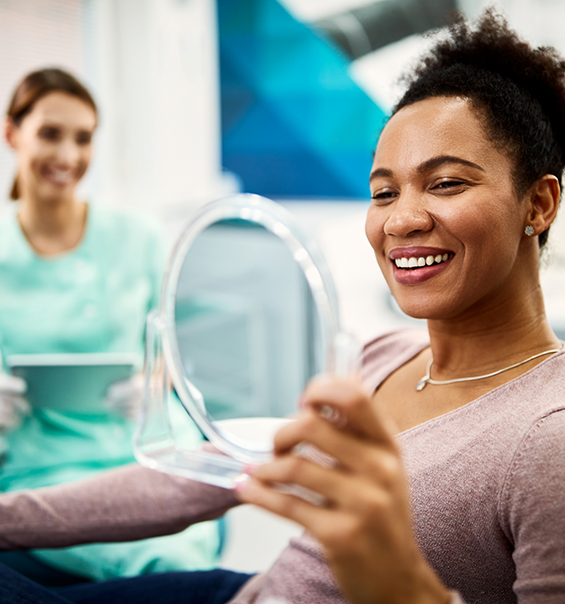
<point x="75" y="278"/>
<point x="466" y="182"/>
<point x="62" y="110"/>
<point x="53" y="145"/>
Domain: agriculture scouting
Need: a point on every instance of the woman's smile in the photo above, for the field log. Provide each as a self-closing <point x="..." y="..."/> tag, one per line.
<point x="418" y="264"/>
<point x="59" y="177"/>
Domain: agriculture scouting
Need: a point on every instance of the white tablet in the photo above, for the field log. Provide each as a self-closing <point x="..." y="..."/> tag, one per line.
<point x="71" y="382"/>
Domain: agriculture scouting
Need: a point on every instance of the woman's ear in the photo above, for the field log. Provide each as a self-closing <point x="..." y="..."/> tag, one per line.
<point x="544" y="203"/>
<point x="10" y="132"/>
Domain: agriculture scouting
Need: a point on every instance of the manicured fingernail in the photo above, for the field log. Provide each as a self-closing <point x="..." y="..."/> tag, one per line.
<point x="250" y="469"/>
<point x="241" y="483"/>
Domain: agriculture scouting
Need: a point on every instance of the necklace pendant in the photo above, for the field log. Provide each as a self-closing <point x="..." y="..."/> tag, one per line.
<point x="421" y="384"/>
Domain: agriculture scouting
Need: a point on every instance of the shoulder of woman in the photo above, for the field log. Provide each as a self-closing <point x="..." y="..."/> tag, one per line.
<point x="390" y="350"/>
<point x="400" y="339"/>
<point x="535" y="479"/>
<point x="531" y="511"/>
<point x="126" y="219"/>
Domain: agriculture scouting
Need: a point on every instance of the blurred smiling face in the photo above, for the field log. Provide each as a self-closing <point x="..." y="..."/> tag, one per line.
<point x="445" y="222"/>
<point x="53" y="145"/>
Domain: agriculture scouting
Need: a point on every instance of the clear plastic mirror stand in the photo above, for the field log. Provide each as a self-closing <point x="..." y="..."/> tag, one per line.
<point x="154" y="444"/>
<point x="223" y="463"/>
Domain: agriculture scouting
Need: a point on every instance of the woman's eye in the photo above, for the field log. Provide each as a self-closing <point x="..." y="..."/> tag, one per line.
<point x="49" y="133"/>
<point x="383" y="197"/>
<point x="84" y="138"/>
<point x="449" y="186"/>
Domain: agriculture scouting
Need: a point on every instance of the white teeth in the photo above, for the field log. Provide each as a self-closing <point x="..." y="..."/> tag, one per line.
<point x="61" y="176"/>
<point x="420" y="261"/>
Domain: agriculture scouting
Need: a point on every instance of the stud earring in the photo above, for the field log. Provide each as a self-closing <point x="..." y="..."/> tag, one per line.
<point x="529" y="230"/>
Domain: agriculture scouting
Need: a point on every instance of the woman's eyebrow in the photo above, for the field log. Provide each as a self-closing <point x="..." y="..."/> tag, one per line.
<point x="380" y="172"/>
<point x="428" y="165"/>
<point x="440" y="160"/>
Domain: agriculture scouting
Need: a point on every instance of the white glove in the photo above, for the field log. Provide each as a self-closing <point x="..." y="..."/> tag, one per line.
<point x="126" y="397"/>
<point x="13" y="405"/>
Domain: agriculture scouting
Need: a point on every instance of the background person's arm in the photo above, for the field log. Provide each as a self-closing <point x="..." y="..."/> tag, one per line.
<point x="125" y="504"/>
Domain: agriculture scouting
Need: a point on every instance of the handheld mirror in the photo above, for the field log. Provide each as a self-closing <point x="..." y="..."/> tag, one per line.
<point x="248" y="315"/>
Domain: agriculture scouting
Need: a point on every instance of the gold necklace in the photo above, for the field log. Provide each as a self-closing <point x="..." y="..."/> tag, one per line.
<point x="428" y="380"/>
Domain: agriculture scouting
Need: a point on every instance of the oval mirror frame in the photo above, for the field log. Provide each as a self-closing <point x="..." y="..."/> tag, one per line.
<point x="276" y="219"/>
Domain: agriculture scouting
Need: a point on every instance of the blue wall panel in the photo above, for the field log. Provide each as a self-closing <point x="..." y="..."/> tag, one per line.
<point x="294" y="123"/>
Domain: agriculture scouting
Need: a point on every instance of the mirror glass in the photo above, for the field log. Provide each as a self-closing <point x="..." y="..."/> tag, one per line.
<point x="247" y="329"/>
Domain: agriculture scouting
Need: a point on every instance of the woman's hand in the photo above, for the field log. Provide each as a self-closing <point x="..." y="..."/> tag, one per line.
<point x="365" y="525"/>
<point x="14" y="407"/>
<point x="126" y="397"/>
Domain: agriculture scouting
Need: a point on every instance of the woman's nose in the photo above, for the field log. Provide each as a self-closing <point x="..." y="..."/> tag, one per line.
<point x="68" y="152"/>
<point x="408" y="215"/>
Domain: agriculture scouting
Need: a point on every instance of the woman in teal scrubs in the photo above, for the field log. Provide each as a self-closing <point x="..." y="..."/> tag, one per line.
<point x="77" y="278"/>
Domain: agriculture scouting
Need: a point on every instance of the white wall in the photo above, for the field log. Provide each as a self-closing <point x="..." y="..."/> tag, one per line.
<point x="155" y="69"/>
<point x="152" y="66"/>
<point x="35" y="34"/>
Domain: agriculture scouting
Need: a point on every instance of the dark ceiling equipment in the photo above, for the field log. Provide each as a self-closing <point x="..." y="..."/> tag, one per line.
<point x="360" y="31"/>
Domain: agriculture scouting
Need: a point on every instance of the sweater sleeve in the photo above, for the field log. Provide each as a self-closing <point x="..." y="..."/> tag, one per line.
<point x="126" y="504"/>
<point x="532" y="512"/>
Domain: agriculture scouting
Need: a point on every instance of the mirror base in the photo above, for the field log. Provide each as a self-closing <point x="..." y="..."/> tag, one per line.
<point x="211" y="468"/>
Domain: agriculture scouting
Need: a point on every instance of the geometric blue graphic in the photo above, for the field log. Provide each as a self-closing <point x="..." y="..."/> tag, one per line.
<point x="294" y="123"/>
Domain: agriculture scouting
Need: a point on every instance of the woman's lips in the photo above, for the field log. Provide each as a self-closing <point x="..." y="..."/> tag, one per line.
<point x="417" y="264"/>
<point x="57" y="177"/>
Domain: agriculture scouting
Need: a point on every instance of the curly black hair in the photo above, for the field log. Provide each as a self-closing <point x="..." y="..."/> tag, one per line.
<point x="517" y="90"/>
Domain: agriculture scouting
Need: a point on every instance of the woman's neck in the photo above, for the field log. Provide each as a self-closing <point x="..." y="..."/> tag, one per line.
<point x="490" y="339"/>
<point x="53" y="227"/>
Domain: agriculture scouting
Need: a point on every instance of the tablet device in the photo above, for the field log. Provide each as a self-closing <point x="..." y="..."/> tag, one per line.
<point x="71" y="382"/>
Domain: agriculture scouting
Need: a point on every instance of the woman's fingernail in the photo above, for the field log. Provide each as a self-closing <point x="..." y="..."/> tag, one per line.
<point x="241" y="483"/>
<point x="250" y="469"/>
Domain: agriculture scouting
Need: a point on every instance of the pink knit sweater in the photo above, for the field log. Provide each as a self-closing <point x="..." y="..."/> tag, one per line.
<point x="488" y="490"/>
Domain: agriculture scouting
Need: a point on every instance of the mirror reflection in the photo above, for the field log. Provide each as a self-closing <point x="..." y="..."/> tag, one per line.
<point x="247" y="329"/>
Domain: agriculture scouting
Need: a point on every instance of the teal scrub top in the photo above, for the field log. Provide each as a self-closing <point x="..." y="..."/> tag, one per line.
<point x="94" y="298"/>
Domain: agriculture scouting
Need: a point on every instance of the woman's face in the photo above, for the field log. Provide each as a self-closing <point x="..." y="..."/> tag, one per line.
<point x="53" y="145"/>
<point x="445" y="222"/>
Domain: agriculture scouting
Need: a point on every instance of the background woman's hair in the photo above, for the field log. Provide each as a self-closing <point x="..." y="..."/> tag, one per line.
<point x="517" y="90"/>
<point x="36" y="85"/>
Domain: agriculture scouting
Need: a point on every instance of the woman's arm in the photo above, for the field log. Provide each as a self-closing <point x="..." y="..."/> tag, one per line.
<point x="365" y="525"/>
<point x="125" y="504"/>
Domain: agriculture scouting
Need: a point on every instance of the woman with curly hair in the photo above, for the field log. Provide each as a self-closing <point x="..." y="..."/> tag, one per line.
<point x="447" y="481"/>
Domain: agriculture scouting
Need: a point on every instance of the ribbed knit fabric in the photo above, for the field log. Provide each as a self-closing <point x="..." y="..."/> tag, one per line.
<point x="488" y="496"/>
<point x="488" y="482"/>
<point x="488" y="492"/>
